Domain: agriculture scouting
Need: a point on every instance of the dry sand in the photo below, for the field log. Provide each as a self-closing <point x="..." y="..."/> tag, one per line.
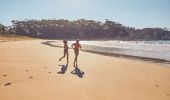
<point x="29" y="71"/>
<point x="10" y="37"/>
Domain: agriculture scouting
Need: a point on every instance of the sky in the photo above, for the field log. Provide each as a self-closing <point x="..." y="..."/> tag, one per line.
<point x="132" y="13"/>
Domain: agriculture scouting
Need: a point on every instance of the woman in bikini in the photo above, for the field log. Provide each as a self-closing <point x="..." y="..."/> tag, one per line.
<point x="76" y="46"/>
<point x="65" y="51"/>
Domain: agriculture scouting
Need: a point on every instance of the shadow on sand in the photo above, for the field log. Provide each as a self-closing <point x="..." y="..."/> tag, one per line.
<point x="63" y="69"/>
<point x="78" y="72"/>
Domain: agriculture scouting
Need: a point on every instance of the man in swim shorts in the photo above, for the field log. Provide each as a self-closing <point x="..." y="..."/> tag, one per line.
<point x="76" y="46"/>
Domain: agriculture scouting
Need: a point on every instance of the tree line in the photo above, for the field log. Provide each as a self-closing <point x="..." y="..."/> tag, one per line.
<point x="82" y="29"/>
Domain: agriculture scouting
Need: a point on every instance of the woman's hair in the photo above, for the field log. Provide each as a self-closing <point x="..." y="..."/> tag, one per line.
<point x="64" y="41"/>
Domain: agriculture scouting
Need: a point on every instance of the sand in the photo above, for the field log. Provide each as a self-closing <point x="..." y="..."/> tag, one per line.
<point x="30" y="70"/>
<point x="12" y="37"/>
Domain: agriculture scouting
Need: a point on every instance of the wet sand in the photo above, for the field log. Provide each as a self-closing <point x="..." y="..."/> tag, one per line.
<point x="30" y="70"/>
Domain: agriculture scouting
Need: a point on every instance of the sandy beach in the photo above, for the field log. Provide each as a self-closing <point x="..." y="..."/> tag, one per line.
<point x="30" y="70"/>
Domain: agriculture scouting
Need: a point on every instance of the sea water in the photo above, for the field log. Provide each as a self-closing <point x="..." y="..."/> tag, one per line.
<point x="150" y="49"/>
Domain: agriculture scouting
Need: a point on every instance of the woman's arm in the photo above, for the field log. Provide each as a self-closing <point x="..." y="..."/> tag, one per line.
<point x="72" y="45"/>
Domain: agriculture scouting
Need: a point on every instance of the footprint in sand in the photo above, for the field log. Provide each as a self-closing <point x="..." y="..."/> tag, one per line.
<point x="168" y="94"/>
<point x="49" y="72"/>
<point x="156" y="85"/>
<point x="27" y="70"/>
<point x="4" y="75"/>
<point x="45" y="67"/>
<point x="30" y="77"/>
<point x="7" y="84"/>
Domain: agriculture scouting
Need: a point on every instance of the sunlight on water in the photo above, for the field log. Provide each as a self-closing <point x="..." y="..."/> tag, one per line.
<point x="152" y="49"/>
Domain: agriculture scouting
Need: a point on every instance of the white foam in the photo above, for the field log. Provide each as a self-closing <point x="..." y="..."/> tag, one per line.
<point x="152" y="49"/>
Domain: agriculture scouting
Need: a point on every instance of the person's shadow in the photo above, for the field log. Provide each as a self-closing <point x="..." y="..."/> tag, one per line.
<point x="63" y="69"/>
<point x="77" y="72"/>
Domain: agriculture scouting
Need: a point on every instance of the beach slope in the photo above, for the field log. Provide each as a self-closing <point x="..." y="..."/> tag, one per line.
<point x="30" y="70"/>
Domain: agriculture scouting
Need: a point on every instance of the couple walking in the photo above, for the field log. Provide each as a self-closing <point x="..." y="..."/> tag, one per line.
<point x="76" y="46"/>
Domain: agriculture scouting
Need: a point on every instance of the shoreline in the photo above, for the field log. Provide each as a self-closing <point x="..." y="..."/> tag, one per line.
<point x="154" y="60"/>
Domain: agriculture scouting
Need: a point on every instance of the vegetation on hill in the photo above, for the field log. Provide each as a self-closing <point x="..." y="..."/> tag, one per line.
<point x="82" y="29"/>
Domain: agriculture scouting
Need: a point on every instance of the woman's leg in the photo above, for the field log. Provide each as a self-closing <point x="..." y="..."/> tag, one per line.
<point x="62" y="57"/>
<point x="67" y="56"/>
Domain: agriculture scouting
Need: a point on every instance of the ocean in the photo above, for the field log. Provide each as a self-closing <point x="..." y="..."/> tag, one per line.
<point x="148" y="49"/>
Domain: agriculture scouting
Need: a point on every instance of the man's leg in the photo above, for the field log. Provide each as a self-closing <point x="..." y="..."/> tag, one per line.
<point x="76" y="60"/>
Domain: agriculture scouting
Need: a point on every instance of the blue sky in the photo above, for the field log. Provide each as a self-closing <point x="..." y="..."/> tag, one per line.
<point x="133" y="13"/>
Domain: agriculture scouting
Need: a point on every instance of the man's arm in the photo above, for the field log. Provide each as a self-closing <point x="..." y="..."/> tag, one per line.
<point x="80" y="46"/>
